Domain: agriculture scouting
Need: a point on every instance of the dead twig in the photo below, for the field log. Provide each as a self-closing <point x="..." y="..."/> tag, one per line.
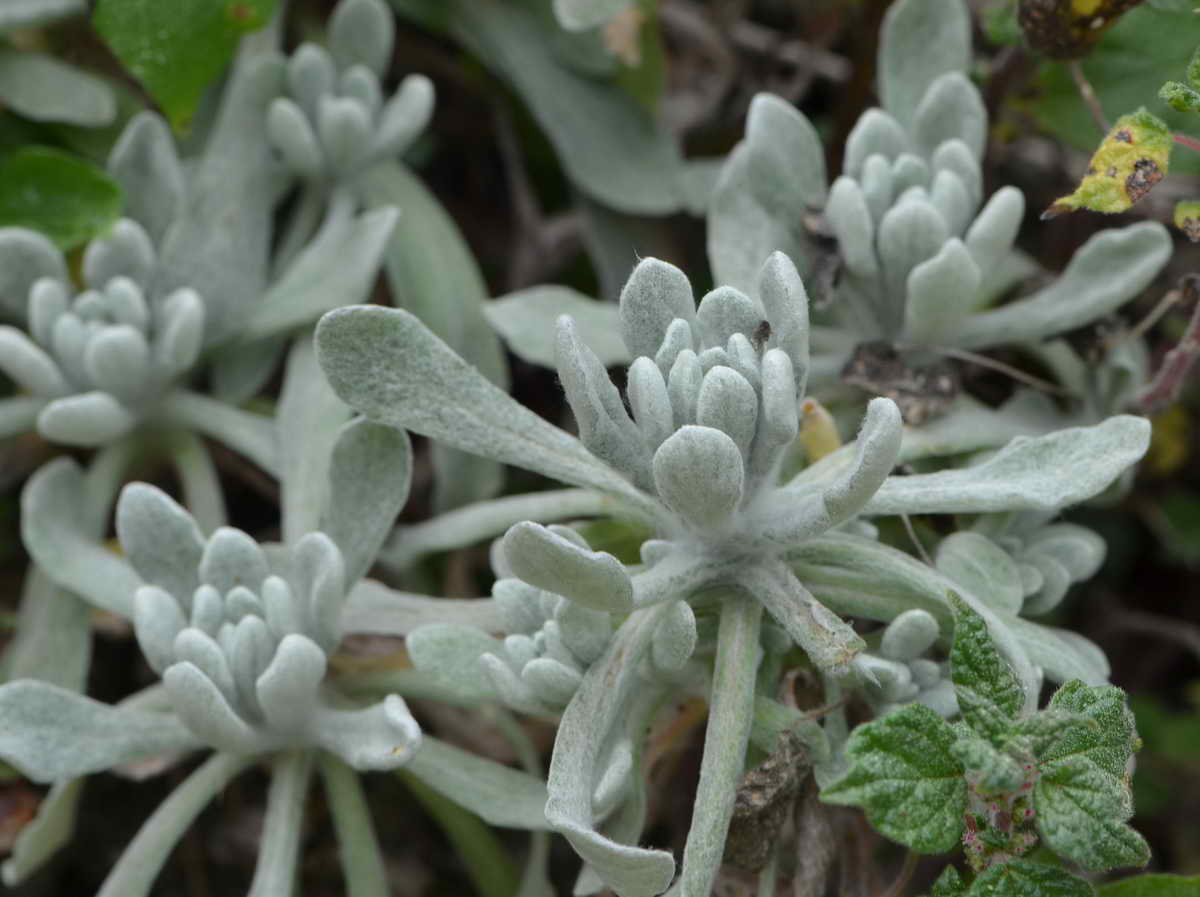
<point x="1171" y="375"/>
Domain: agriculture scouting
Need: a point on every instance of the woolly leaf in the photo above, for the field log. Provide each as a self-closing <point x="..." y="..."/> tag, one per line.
<point x="920" y="40"/>
<point x="1111" y="744"/>
<point x="525" y="320"/>
<point x="983" y="568"/>
<point x="1131" y="159"/>
<point x="42" y="88"/>
<point x="176" y="50"/>
<point x="905" y="777"/>
<point x="51" y="734"/>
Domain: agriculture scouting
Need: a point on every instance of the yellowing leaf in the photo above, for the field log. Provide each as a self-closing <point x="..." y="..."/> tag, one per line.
<point x="1068" y="29"/>
<point x="1187" y="218"/>
<point x="1130" y="161"/>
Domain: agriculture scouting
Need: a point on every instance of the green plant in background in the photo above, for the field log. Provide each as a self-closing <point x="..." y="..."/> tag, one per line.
<point x="706" y="544"/>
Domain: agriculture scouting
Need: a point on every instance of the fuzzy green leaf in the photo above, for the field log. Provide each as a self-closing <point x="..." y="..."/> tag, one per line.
<point x="1153" y="886"/>
<point x="177" y="49"/>
<point x="949" y="884"/>
<point x="989" y="695"/>
<point x="1111" y="743"/>
<point x="1024" y="878"/>
<point x="903" y="774"/>
<point x="65" y="198"/>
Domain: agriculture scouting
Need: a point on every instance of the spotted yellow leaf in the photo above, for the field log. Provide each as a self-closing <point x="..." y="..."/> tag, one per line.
<point x="1187" y="218"/>
<point x="1130" y="161"/>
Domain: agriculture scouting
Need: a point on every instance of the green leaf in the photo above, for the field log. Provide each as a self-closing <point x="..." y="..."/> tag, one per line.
<point x="1081" y="813"/>
<point x="992" y="771"/>
<point x="949" y="884"/>
<point x="988" y="692"/>
<point x="1124" y="76"/>
<point x="1025" y="878"/>
<point x="177" y="49"/>
<point x="65" y="198"/>
<point x="1131" y="159"/>
<point x="903" y="774"/>
<point x="1114" y="740"/>
<point x="1161" y="885"/>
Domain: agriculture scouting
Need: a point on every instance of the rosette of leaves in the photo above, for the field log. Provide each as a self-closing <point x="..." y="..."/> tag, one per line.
<point x="96" y="363"/>
<point x="241" y="635"/>
<point x="921" y="263"/>
<point x="1003" y="778"/>
<point x="335" y="121"/>
<point x="1048" y="557"/>
<point x="898" y="672"/>
<point x="715" y="393"/>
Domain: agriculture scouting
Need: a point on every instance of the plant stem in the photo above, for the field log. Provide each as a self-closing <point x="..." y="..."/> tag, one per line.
<point x="1088" y="95"/>
<point x="731" y="712"/>
<point x="362" y="858"/>
<point x="1184" y="140"/>
<point x="1169" y="379"/>
<point x="275" y="871"/>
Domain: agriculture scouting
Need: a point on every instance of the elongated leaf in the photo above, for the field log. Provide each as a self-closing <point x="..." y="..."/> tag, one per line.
<point x="920" y="40"/>
<point x="308" y="419"/>
<point x="275" y="868"/>
<point x="903" y="774"/>
<point x="53" y="641"/>
<point x="433" y="274"/>
<point x="52" y="828"/>
<point x="69" y="553"/>
<point x="51" y="734"/>
<point x="730" y="713"/>
<point x="42" y="88"/>
<point x="497" y="794"/>
<point x="176" y="50"/>
<point x="65" y="198"/>
<point x="1159" y="885"/>
<point x="595" y="709"/>
<point x="609" y="148"/>
<point x="1107" y="271"/>
<point x="1043" y="473"/>
<point x="358" y="845"/>
<point x="139" y="865"/>
<point x="337" y="268"/>
<point x="388" y="365"/>
<point x="373" y="607"/>
<point x="526" y="320"/>
<point x="24" y="13"/>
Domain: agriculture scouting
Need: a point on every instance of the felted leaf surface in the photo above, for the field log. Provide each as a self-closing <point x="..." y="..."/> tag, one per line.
<point x="385" y="363"/>
<point x="904" y="776"/>
<point x="1131" y="159"/>
<point x="920" y="40"/>
<point x="42" y="88"/>
<point x="177" y="49"/>
<point x="988" y="693"/>
<point x="1111" y="743"/>
<point x="51" y="734"/>
<point x="1024" y="878"/>
<point x="24" y="13"/>
<point x="525" y="319"/>
<point x="1042" y="473"/>
<point x="433" y="274"/>
<point x="65" y="198"/>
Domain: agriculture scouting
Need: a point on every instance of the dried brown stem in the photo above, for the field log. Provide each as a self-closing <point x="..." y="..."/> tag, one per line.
<point x="1173" y="372"/>
<point x="1088" y="95"/>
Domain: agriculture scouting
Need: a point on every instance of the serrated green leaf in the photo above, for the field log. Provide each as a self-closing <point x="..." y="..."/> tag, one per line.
<point x="949" y="884"/>
<point x="177" y="49"/>
<point x="1111" y="743"/>
<point x="1131" y="159"/>
<point x="1025" y="878"/>
<point x="65" y="198"/>
<point x="992" y="771"/>
<point x="1081" y="813"/>
<point x="988" y="692"/>
<point x="904" y="776"/>
<point x="1153" y="886"/>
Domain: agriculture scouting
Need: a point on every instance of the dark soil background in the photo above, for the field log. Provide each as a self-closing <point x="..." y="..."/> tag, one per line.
<point x="497" y="175"/>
